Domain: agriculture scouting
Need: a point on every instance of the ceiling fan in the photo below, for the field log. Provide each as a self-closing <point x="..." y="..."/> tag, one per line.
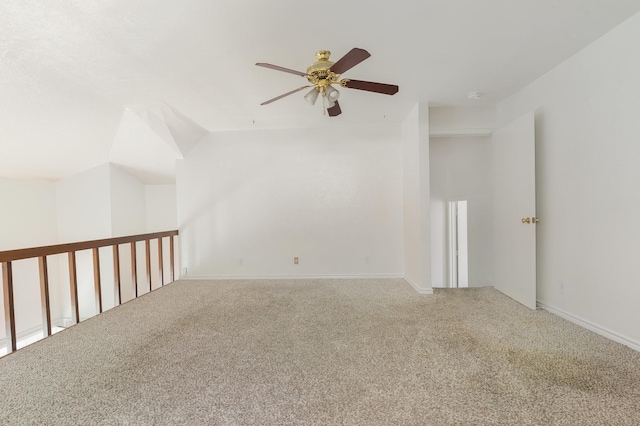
<point x="323" y="73"/>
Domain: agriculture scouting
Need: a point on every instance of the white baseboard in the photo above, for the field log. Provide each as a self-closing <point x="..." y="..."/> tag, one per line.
<point x="23" y="334"/>
<point x="454" y="133"/>
<point x="591" y="326"/>
<point x="416" y="287"/>
<point x="68" y="322"/>
<point x="290" y="277"/>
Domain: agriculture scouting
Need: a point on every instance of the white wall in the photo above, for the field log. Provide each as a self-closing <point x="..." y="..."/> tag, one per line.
<point x="249" y="202"/>
<point x="587" y="151"/>
<point x="462" y="121"/>
<point x="84" y="205"/>
<point x="128" y="217"/>
<point x="162" y="215"/>
<point x="461" y="170"/>
<point x="28" y="214"/>
<point x="415" y="202"/>
<point x="161" y="206"/>
<point x="102" y="202"/>
<point x="84" y="213"/>
<point x="27" y="219"/>
<point x="128" y="203"/>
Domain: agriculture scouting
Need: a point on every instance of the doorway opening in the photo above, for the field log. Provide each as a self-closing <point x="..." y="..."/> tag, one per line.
<point x="458" y="257"/>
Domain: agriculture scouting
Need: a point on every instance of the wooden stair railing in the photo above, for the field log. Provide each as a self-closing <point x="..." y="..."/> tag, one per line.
<point x="41" y="253"/>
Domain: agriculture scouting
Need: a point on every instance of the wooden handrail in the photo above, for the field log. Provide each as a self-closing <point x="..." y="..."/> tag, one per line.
<point x="41" y="253"/>
<point x="28" y="253"/>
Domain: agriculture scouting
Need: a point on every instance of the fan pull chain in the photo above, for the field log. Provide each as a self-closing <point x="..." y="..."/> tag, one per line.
<point x="324" y="103"/>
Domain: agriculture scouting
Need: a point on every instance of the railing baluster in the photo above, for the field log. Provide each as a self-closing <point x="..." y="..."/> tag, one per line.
<point x="134" y="269"/>
<point x="9" y="313"/>
<point x="171" y="256"/>
<point x="73" y="287"/>
<point x="147" y="249"/>
<point x="44" y="296"/>
<point x="41" y="253"/>
<point x="116" y="274"/>
<point x="97" y="287"/>
<point x="160" y="262"/>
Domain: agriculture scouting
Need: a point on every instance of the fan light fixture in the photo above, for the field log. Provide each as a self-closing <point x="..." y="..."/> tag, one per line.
<point x="323" y="73"/>
<point x="312" y="96"/>
<point x="331" y="93"/>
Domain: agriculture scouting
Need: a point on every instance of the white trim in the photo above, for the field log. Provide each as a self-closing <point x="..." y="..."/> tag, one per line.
<point x="58" y="322"/>
<point x="416" y="287"/>
<point x="454" y="133"/>
<point x="23" y="334"/>
<point x="591" y="326"/>
<point x="289" y="277"/>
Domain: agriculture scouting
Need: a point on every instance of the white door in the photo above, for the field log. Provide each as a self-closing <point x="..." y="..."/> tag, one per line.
<point x="514" y="208"/>
<point x="458" y="258"/>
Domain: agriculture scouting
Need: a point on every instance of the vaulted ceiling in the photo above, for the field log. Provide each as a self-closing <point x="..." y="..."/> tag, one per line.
<point x="138" y="82"/>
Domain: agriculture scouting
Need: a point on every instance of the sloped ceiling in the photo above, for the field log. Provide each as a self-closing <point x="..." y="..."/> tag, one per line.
<point x="74" y="75"/>
<point x="149" y="140"/>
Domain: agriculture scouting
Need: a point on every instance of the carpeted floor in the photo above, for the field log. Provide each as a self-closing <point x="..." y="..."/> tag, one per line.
<point x="321" y="352"/>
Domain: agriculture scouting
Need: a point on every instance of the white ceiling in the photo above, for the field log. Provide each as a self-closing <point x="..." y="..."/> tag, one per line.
<point x="80" y="80"/>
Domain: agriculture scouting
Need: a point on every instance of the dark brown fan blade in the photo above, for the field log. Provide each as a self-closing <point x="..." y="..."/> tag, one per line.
<point x="334" y="110"/>
<point x="277" y="68"/>
<point x="286" y="94"/>
<point x="350" y="60"/>
<point x="369" y="86"/>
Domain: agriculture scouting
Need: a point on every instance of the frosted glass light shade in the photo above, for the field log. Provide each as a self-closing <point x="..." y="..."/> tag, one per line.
<point x="331" y="93"/>
<point x="312" y="96"/>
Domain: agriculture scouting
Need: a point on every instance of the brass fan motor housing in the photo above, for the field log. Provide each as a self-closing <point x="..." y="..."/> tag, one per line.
<point x="319" y="73"/>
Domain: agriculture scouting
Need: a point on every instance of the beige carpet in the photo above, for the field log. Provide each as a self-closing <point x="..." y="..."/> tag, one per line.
<point x="321" y="352"/>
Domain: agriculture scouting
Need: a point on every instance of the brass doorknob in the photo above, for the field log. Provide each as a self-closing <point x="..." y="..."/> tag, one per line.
<point x="526" y="220"/>
<point x="535" y="219"/>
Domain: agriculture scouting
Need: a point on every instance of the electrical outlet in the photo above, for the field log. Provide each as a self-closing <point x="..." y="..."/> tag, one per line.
<point x="562" y="287"/>
<point x="241" y="261"/>
<point x="295" y="260"/>
<point x="184" y="272"/>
